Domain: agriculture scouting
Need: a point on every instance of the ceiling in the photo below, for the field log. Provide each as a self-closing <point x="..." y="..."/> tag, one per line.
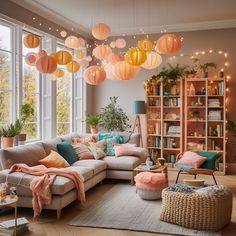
<point x="137" y="16"/>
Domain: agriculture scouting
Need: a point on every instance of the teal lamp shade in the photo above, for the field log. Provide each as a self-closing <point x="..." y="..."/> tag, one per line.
<point x="138" y="107"/>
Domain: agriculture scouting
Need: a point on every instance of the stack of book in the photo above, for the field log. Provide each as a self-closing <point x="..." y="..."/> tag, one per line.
<point x="214" y="102"/>
<point x="214" y="115"/>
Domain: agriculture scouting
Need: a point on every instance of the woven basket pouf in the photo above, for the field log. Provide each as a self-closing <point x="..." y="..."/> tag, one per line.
<point x="150" y="185"/>
<point x="197" y="210"/>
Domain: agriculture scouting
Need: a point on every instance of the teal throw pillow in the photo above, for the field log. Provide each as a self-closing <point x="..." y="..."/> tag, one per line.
<point x="102" y="136"/>
<point x="211" y="159"/>
<point x="66" y="150"/>
<point x="110" y="147"/>
<point x="118" y="138"/>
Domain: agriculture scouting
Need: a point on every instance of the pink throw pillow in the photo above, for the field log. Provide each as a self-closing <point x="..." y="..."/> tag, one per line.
<point x="127" y="150"/>
<point x="192" y="159"/>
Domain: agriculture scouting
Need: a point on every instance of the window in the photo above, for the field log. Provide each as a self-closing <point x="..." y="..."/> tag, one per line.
<point x="6" y="64"/>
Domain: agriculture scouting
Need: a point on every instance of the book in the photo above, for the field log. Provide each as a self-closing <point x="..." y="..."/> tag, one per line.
<point x="20" y="229"/>
<point x="144" y="167"/>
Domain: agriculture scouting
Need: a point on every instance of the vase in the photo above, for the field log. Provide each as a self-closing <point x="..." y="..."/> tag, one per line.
<point x="192" y="90"/>
<point x="93" y="130"/>
<point x="7" y="142"/>
<point x="173" y="90"/>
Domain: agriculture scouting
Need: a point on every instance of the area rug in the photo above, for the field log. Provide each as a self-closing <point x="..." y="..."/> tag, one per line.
<point x="121" y="208"/>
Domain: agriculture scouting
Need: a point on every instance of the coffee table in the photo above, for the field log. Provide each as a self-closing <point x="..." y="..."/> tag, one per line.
<point x="157" y="169"/>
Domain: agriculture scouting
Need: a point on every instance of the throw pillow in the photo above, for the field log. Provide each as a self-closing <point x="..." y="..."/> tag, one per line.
<point x="122" y="150"/>
<point x="210" y="159"/>
<point x="102" y="136"/>
<point x="85" y="141"/>
<point x="67" y="151"/>
<point x="82" y="151"/>
<point x="54" y="159"/>
<point x="97" y="152"/>
<point x="109" y="147"/>
<point x="100" y="144"/>
<point x="192" y="159"/>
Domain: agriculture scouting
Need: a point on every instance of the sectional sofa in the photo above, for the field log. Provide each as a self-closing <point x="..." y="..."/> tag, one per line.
<point x="63" y="189"/>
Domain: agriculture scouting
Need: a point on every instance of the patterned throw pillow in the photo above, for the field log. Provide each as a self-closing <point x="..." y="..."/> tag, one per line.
<point x="97" y="152"/>
<point x="82" y="151"/>
<point x="54" y="159"/>
<point x="85" y="141"/>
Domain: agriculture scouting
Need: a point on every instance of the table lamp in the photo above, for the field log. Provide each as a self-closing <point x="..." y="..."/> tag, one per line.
<point x="138" y="108"/>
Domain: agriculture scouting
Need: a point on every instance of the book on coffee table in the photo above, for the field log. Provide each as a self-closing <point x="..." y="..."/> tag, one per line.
<point x="145" y="167"/>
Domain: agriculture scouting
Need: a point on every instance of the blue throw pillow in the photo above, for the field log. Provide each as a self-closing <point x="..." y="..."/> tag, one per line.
<point x="211" y="159"/>
<point x="66" y="150"/>
<point x="102" y="136"/>
<point x="183" y="167"/>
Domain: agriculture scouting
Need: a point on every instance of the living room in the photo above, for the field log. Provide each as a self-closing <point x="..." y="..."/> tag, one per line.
<point x="120" y="110"/>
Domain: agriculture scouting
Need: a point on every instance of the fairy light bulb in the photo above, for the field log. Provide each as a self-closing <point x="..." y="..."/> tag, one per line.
<point x="210" y="51"/>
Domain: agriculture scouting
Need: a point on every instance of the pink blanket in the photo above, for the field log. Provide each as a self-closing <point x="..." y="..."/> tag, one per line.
<point x="41" y="185"/>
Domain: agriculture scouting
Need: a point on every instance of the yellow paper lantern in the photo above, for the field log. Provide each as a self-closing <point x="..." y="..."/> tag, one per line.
<point x="31" y="41"/>
<point x="146" y="45"/>
<point x="168" y="44"/>
<point x="63" y="57"/>
<point x="135" y="56"/>
<point x="59" y="73"/>
<point x="153" y="61"/>
<point x="73" y="66"/>
<point x="102" y="52"/>
<point x="101" y="31"/>
<point x="80" y="54"/>
<point x="72" y="42"/>
<point x="124" y="71"/>
<point x="94" y="75"/>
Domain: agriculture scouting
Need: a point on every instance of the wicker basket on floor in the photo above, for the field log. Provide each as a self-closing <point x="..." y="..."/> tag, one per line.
<point x="196" y="210"/>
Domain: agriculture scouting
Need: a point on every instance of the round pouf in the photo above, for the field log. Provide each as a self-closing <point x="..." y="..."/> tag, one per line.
<point x="149" y="185"/>
<point x="208" y="208"/>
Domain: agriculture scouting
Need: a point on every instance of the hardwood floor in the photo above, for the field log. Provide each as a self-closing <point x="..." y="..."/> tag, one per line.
<point x="48" y="225"/>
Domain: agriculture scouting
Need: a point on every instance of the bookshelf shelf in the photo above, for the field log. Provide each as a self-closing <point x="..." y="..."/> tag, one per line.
<point x="197" y="137"/>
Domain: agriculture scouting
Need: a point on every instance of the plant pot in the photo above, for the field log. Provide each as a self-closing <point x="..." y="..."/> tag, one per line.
<point x="7" y="142"/>
<point x="22" y="137"/>
<point x="204" y="74"/>
<point x="93" y="130"/>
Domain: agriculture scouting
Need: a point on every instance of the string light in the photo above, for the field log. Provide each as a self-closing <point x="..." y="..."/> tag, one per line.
<point x="40" y="24"/>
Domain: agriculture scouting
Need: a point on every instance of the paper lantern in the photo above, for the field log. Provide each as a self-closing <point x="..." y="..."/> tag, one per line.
<point x="31" y="41"/>
<point x="101" y="31"/>
<point x="59" y="73"/>
<point x="120" y="43"/>
<point x="46" y="65"/>
<point x="80" y="54"/>
<point x="124" y="71"/>
<point x="146" y="45"/>
<point x="84" y="63"/>
<point x="113" y="44"/>
<point x="102" y="51"/>
<point x="63" y="33"/>
<point x="168" y="44"/>
<point x="89" y="58"/>
<point x="113" y="58"/>
<point x="81" y="42"/>
<point x="63" y="57"/>
<point x="72" y="42"/>
<point x="94" y="75"/>
<point x="42" y="53"/>
<point x="73" y="66"/>
<point x="109" y="69"/>
<point x="31" y="58"/>
<point x="135" y="56"/>
<point x="153" y="61"/>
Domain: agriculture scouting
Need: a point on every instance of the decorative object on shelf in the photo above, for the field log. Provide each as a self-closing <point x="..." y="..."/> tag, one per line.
<point x="102" y="52"/>
<point x="153" y="61"/>
<point x="101" y="31"/>
<point x="94" y="75"/>
<point x="124" y="71"/>
<point x="145" y="45"/>
<point x="149" y="161"/>
<point x="72" y="42"/>
<point x="93" y="121"/>
<point x="73" y="66"/>
<point x="204" y="67"/>
<point x="152" y="86"/>
<point x="113" y="118"/>
<point x="63" y="57"/>
<point x="161" y="161"/>
<point x="46" y="65"/>
<point x="135" y="56"/>
<point x="168" y="44"/>
<point x="138" y="108"/>
<point x="192" y="90"/>
<point x="31" y="41"/>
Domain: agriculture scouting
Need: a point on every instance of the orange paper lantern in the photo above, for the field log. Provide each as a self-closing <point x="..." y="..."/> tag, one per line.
<point x="135" y="56"/>
<point x="80" y="54"/>
<point x="146" y="45"/>
<point x="73" y="66"/>
<point x="31" y="41"/>
<point x="102" y="51"/>
<point x="63" y="57"/>
<point x="46" y="65"/>
<point x="109" y="69"/>
<point x="120" y="43"/>
<point x="31" y="58"/>
<point x="124" y="71"/>
<point x="101" y="31"/>
<point x="168" y="44"/>
<point x="153" y="61"/>
<point x="59" y="73"/>
<point x="72" y="42"/>
<point x="42" y="53"/>
<point x="94" y="75"/>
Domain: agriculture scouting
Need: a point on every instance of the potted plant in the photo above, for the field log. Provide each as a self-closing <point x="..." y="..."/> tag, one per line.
<point x="113" y="118"/>
<point x="93" y="121"/>
<point x="204" y="67"/>
<point x="8" y="135"/>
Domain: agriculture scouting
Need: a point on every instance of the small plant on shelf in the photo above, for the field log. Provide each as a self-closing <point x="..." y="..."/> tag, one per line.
<point x="204" y="67"/>
<point x="93" y="121"/>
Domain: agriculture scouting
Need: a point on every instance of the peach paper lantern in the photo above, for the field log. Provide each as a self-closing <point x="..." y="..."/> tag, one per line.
<point x="42" y="53"/>
<point x="89" y="58"/>
<point x="120" y="43"/>
<point x="81" y="42"/>
<point x="102" y="51"/>
<point x="63" y="33"/>
<point x="31" y="41"/>
<point x="124" y="71"/>
<point x="46" y="65"/>
<point x="101" y="31"/>
<point x="63" y="57"/>
<point x="109" y="69"/>
<point x="113" y="44"/>
<point x="168" y="44"/>
<point x="94" y="75"/>
<point x="135" y="56"/>
<point x="84" y="63"/>
<point x="153" y="61"/>
<point x="80" y="54"/>
<point x="72" y="42"/>
<point x="59" y="73"/>
<point x="73" y="66"/>
<point x="146" y="45"/>
<point x="113" y="58"/>
<point x="31" y="58"/>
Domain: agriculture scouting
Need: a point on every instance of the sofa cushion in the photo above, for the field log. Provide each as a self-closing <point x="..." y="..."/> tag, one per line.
<point x="29" y="154"/>
<point x="51" y="145"/>
<point x="122" y="163"/>
<point x="96" y="165"/>
<point x="67" y="151"/>
<point x="82" y="151"/>
<point x="61" y="185"/>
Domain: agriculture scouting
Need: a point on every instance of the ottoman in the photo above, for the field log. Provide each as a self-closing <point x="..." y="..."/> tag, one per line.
<point x="150" y="185"/>
<point x="207" y="208"/>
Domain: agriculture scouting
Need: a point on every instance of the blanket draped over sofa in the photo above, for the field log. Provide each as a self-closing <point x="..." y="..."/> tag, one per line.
<point x="41" y="185"/>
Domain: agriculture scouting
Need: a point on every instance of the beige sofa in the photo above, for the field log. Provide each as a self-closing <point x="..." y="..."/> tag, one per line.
<point x="63" y="189"/>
